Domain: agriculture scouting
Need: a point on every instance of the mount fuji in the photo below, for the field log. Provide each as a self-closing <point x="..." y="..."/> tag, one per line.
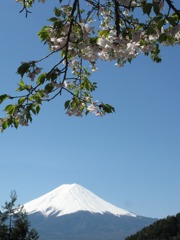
<point x="71" y="212"/>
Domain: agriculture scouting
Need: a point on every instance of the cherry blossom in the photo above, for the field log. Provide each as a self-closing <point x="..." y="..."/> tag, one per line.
<point x="81" y="35"/>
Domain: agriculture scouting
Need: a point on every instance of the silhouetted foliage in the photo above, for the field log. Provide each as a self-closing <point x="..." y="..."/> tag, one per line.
<point x="14" y="224"/>
<point x="164" y="229"/>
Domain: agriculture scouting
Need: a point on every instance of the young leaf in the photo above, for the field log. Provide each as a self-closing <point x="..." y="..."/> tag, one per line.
<point x="53" y="19"/>
<point x="21" y="83"/>
<point x="3" y="98"/>
<point x="41" y="79"/>
<point x="21" y="100"/>
<point x="16" y="123"/>
<point x="44" y="33"/>
<point x="49" y="87"/>
<point x="57" y="12"/>
<point x="107" y="108"/>
<point x="147" y="8"/>
<point x="66" y="104"/>
<point x="38" y="108"/>
<point x="172" y="21"/>
<point x="4" y="125"/>
<point x="23" y="69"/>
<point x="162" y="37"/>
<point x="10" y="109"/>
<point x="156" y="8"/>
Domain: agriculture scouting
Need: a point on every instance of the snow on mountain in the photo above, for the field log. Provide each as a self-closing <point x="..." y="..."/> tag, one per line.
<point x="71" y="198"/>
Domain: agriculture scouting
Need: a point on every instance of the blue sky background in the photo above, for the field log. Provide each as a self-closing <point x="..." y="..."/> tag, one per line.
<point x="130" y="158"/>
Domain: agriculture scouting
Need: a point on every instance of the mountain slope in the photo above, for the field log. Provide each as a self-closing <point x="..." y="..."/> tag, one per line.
<point x="71" y="198"/>
<point x="84" y="225"/>
<point x="71" y="212"/>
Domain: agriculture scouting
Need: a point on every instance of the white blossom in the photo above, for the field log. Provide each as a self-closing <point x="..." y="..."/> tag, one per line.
<point x="92" y="107"/>
<point x="66" y="84"/>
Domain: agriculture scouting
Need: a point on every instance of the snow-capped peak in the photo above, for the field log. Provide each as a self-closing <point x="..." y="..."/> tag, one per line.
<point x="71" y="198"/>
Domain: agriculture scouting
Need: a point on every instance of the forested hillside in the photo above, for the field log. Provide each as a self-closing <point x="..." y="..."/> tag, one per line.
<point x="164" y="229"/>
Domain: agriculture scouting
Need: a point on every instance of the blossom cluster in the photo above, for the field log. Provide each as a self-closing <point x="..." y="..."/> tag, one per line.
<point x="82" y="40"/>
<point x="28" y="3"/>
<point x="107" y="31"/>
<point x="106" y="45"/>
<point x="93" y="108"/>
<point x="20" y="117"/>
<point x="33" y="73"/>
<point x="79" y="38"/>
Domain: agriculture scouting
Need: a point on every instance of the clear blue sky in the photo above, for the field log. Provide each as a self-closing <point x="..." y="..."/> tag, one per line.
<point x="130" y="158"/>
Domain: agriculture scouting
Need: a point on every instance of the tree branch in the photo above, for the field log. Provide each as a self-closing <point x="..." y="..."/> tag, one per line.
<point x="117" y="17"/>
<point x="169" y="2"/>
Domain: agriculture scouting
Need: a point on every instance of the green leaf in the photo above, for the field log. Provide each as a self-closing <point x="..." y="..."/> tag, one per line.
<point x="49" y="87"/>
<point x="23" y="69"/>
<point x="16" y="123"/>
<point x="10" y="121"/>
<point x="74" y="104"/>
<point x="53" y="19"/>
<point x="104" y="33"/>
<point x="19" y="89"/>
<point x="172" y="21"/>
<point x="3" y="98"/>
<point x="21" y="83"/>
<point x="21" y="100"/>
<point x="175" y="16"/>
<point x="53" y="76"/>
<point x="147" y="8"/>
<point x="44" y="33"/>
<point x="35" y="97"/>
<point x="160" y="23"/>
<point x="38" y="108"/>
<point x="57" y="12"/>
<point x="156" y="8"/>
<point x="171" y="40"/>
<point x="10" y="108"/>
<point x="34" y="111"/>
<point x="23" y="86"/>
<point x="4" y="125"/>
<point x="41" y="79"/>
<point x="155" y="54"/>
<point x="66" y="104"/>
<point x="151" y="30"/>
<point x="107" y="108"/>
<point x="162" y="37"/>
<point x="93" y="40"/>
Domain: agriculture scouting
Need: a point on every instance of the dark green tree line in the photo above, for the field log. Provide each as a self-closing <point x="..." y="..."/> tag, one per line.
<point x="14" y="224"/>
<point x="164" y="229"/>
